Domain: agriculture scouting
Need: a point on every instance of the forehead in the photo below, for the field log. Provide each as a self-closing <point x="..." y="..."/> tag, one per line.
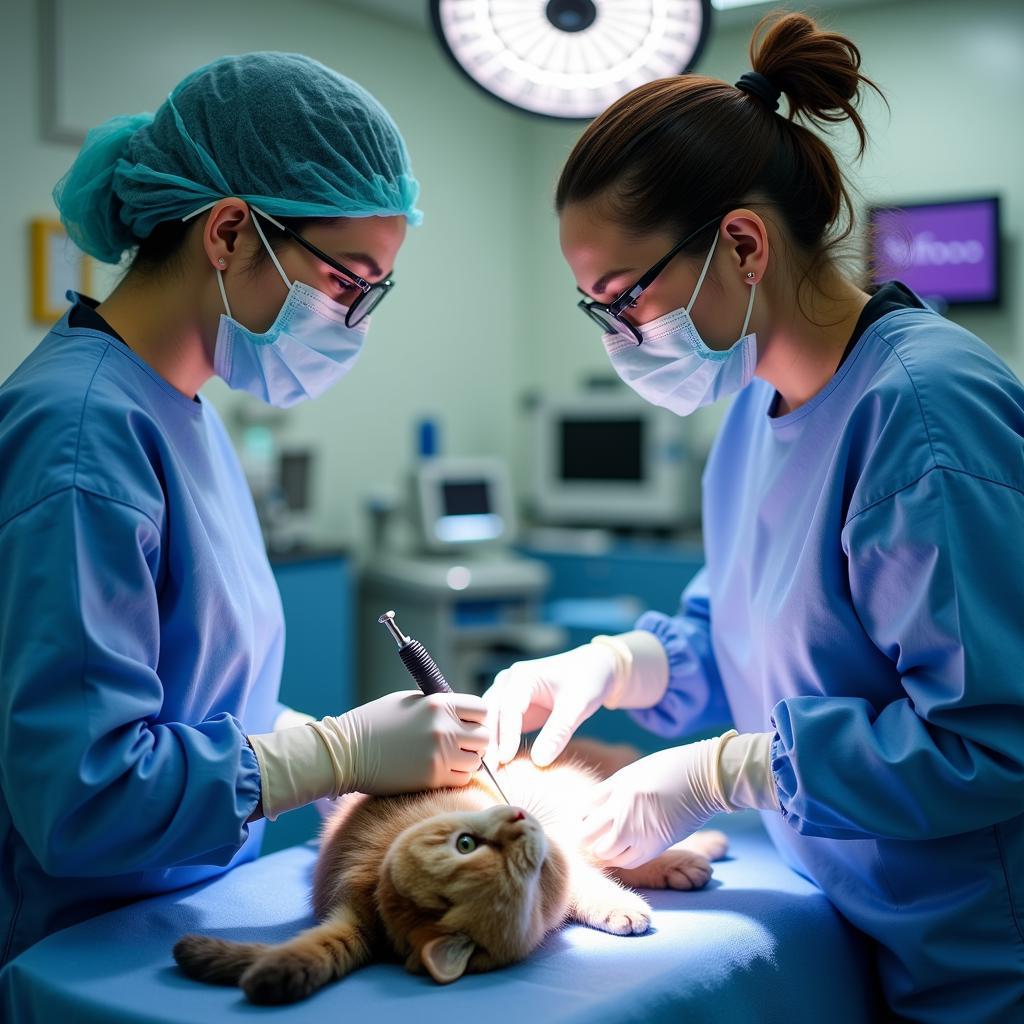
<point x="379" y="237"/>
<point x="594" y="243"/>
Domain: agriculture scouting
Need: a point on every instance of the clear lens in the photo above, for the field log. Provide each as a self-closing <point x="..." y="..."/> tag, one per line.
<point x="365" y="304"/>
<point x="607" y="322"/>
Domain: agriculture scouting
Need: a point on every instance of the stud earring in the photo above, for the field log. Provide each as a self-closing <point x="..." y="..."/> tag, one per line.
<point x="750" y="274"/>
<point x="221" y="262"/>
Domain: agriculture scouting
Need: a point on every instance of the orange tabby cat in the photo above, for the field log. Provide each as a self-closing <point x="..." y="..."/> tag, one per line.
<point x="452" y="881"/>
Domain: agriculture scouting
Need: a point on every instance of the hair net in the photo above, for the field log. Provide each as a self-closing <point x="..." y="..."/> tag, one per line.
<point x="279" y="130"/>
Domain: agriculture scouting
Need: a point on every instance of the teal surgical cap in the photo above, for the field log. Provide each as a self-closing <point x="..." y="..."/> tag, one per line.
<point x="279" y="130"/>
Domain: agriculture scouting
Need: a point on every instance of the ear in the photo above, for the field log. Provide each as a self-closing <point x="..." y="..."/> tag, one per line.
<point x="748" y="236"/>
<point x="223" y="224"/>
<point x="446" y="957"/>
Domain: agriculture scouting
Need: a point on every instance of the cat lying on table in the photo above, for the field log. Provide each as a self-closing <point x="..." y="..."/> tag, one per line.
<point x="454" y="881"/>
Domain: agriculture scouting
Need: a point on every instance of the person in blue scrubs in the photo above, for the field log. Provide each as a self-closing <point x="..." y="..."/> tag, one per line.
<point x="860" y="616"/>
<point x="141" y="631"/>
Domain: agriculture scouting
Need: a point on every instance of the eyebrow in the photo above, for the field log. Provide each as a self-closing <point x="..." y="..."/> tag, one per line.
<point x="602" y="282"/>
<point x="361" y="257"/>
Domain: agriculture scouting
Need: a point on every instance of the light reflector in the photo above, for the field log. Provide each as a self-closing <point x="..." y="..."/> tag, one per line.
<point x="570" y="58"/>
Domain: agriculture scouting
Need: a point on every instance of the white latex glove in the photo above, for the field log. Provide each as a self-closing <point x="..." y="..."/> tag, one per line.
<point x="650" y="805"/>
<point x="563" y="691"/>
<point x="402" y="742"/>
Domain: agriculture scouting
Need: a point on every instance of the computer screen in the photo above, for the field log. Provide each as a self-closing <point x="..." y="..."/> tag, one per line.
<point x="602" y="449"/>
<point x="465" y="497"/>
<point x="604" y="458"/>
<point x="941" y="250"/>
<point x="296" y="468"/>
<point x="462" y="501"/>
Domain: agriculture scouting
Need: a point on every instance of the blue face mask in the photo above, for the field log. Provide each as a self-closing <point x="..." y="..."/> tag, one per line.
<point x="306" y="349"/>
<point x="674" y="368"/>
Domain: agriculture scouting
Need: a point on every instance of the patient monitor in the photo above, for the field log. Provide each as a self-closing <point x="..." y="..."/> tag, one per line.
<point x="462" y="503"/>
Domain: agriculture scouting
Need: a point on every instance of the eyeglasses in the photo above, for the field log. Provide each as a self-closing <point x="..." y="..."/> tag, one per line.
<point x="371" y="294"/>
<point x="609" y="315"/>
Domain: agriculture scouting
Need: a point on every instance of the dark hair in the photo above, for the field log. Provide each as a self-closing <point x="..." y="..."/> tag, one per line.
<point x="675" y="152"/>
<point x="161" y="250"/>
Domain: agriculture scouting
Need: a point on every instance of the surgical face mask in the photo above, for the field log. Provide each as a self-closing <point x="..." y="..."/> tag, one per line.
<point x="674" y="368"/>
<point x="305" y="350"/>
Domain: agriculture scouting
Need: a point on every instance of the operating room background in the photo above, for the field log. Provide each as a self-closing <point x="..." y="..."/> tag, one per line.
<point x="484" y="306"/>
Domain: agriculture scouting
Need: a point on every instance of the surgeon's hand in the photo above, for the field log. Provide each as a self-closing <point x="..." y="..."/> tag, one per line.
<point x="648" y="806"/>
<point x="404" y="742"/>
<point x="563" y="691"/>
<point x="559" y="693"/>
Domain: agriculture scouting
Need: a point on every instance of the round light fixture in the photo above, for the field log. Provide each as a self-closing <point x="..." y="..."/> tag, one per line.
<point x="570" y="58"/>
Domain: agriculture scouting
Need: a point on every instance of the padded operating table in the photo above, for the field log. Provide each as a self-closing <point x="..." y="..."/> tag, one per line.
<point x="760" y="944"/>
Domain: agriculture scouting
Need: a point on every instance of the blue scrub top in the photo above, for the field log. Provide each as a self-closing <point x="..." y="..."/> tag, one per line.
<point x="141" y="638"/>
<point x="863" y="598"/>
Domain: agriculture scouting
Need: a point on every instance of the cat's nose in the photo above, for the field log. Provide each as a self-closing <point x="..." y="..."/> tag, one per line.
<point x="519" y="816"/>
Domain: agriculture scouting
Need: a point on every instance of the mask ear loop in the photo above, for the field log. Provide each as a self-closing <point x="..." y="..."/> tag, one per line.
<point x="266" y="244"/>
<point x="703" y="274"/>
<point x="220" y="274"/>
<point x="750" y="306"/>
<point x="263" y="238"/>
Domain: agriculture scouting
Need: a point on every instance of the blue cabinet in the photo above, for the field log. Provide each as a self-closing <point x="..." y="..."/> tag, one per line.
<point x="318" y="595"/>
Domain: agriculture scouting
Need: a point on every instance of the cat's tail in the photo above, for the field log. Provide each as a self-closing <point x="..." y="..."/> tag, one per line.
<point x="272" y="975"/>
<point x="217" y="961"/>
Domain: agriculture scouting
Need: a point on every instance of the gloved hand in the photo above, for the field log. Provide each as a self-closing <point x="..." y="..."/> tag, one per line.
<point x="561" y="692"/>
<point x="402" y="742"/>
<point x="650" y="805"/>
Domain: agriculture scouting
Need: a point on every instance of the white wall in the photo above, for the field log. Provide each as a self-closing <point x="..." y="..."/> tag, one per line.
<point x="485" y="306"/>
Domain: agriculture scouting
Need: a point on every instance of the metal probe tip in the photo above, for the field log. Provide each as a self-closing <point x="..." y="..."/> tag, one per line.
<point x="494" y="781"/>
<point x="388" y="619"/>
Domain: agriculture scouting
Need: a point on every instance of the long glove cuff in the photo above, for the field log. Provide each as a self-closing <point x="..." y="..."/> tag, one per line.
<point x="641" y="675"/>
<point x="745" y="772"/>
<point x="303" y="763"/>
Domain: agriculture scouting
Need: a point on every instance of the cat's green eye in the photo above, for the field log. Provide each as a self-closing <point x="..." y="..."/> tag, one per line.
<point x="465" y="843"/>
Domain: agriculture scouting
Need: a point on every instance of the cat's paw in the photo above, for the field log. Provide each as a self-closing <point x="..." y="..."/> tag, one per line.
<point x="216" y="961"/>
<point x="708" y="843"/>
<point x="281" y="977"/>
<point x="676" y="868"/>
<point x="679" y="869"/>
<point x="627" y="915"/>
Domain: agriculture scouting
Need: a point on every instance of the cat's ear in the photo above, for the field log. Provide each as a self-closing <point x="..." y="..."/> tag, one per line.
<point x="446" y="957"/>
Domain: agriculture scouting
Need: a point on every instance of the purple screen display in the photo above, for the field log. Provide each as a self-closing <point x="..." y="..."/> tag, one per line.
<point x="947" y="250"/>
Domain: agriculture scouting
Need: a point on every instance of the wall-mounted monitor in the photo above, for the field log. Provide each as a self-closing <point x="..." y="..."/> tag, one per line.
<point x="946" y="251"/>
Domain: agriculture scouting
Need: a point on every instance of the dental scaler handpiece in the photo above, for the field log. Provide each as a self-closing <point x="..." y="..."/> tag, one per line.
<point x="424" y="670"/>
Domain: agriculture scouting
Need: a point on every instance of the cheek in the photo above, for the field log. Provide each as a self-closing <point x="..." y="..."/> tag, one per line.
<point x="671" y="291"/>
<point x="256" y="298"/>
<point x="718" y="313"/>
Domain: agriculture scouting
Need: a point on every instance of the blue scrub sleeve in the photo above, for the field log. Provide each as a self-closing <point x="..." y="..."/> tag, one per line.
<point x="95" y="783"/>
<point x="937" y="578"/>
<point x="694" y="699"/>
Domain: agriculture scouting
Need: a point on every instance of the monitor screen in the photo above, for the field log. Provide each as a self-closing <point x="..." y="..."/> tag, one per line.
<point x="467" y="512"/>
<point x="465" y="498"/>
<point x="601" y="450"/>
<point x="947" y="251"/>
<point x="295" y="471"/>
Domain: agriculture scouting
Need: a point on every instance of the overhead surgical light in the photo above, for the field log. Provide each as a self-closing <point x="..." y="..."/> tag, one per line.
<point x="570" y="58"/>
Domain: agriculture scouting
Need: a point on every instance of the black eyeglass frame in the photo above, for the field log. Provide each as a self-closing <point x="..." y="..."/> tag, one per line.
<point x="629" y="298"/>
<point x="366" y="288"/>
